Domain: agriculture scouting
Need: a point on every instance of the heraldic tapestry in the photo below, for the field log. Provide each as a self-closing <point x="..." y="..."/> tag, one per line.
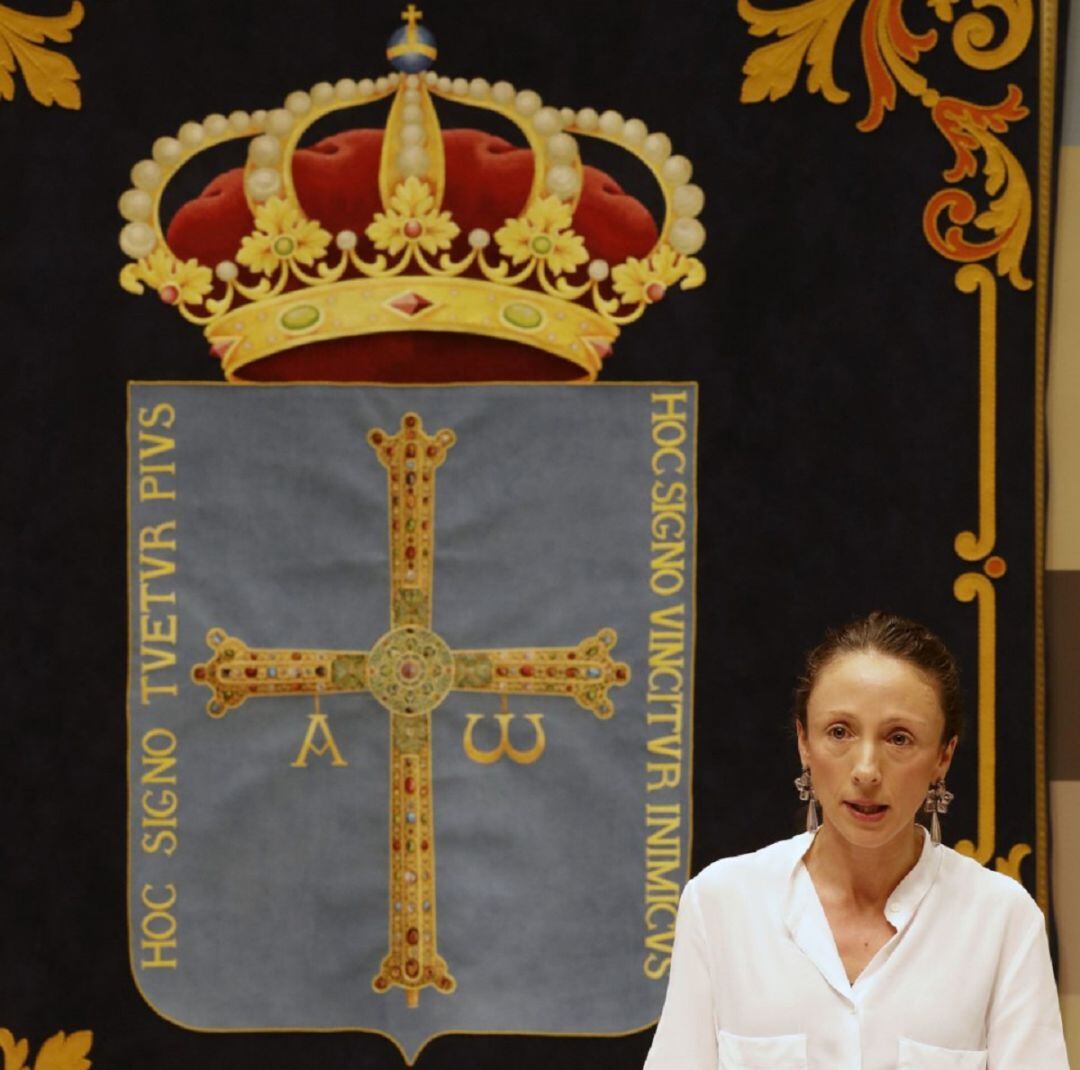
<point x="436" y="432"/>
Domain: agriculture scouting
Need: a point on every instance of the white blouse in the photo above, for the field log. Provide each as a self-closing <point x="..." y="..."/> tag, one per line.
<point x="965" y="982"/>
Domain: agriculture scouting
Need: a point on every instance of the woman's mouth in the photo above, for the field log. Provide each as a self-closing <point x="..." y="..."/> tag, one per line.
<point x="867" y="813"/>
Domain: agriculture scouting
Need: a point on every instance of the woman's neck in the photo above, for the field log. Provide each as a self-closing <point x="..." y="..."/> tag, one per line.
<point x="864" y="877"/>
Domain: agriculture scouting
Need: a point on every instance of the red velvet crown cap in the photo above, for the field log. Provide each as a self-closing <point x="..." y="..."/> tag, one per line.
<point x="337" y="182"/>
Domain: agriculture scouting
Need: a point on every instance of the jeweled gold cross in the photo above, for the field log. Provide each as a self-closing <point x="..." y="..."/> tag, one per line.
<point x="410" y="671"/>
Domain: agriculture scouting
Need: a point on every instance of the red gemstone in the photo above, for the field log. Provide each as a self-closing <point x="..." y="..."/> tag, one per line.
<point x="410" y="304"/>
<point x="526" y="670"/>
<point x="410" y="421"/>
<point x="410" y="552"/>
<point x="571" y="656"/>
<point x="413" y="936"/>
<point x="320" y="670"/>
<point x="620" y="674"/>
<point x="431" y="451"/>
<point x="410" y="785"/>
<point x="423" y="845"/>
<point x="200" y="673"/>
<point x="995" y="567"/>
<point x="413" y="228"/>
<point x="551" y="670"/>
<point x="295" y="655"/>
<point x="380" y="984"/>
<point x="410" y="450"/>
<point x="655" y="291"/>
<point x="412" y="967"/>
<point x="409" y="670"/>
<point x="571" y="671"/>
<point x="251" y="671"/>
<point x="501" y="670"/>
<point x="169" y="294"/>
<point x="377" y="438"/>
<point x="397" y="845"/>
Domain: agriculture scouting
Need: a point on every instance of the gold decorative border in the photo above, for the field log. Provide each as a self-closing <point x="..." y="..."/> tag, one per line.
<point x="1048" y="41"/>
<point x="59" y="1052"/>
<point x="807" y="34"/>
<point x="49" y="76"/>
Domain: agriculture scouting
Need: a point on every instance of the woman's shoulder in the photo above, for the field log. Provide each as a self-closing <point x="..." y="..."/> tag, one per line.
<point x="767" y="867"/>
<point x="964" y="880"/>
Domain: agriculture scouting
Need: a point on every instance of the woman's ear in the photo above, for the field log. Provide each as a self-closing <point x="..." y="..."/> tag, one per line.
<point x="945" y="760"/>
<point x="804" y="755"/>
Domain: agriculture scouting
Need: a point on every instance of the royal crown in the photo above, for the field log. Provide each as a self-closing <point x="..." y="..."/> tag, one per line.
<point x="377" y="238"/>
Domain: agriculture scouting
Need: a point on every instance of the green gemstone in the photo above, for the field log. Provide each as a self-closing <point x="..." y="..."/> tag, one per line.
<point x="300" y="317"/>
<point x="541" y="245"/>
<point x="284" y="245"/>
<point x="524" y="317"/>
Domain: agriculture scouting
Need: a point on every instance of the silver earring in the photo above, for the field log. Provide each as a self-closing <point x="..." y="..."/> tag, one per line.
<point x="937" y="802"/>
<point x="805" y="786"/>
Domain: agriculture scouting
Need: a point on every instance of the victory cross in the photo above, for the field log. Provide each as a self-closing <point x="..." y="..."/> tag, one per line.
<point x="410" y="671"/>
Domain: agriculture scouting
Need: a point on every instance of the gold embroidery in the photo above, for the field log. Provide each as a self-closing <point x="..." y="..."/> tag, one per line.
<point x="59" y="1052"/>
<point x="891" y="52"/>
<point x="49" y="76"/>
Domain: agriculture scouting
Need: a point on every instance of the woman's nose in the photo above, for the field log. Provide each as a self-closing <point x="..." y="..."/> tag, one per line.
<point x="866" y="769"/>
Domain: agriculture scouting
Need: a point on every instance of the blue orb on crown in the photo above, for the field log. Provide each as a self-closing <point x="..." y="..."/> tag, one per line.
<point x="411" y="48"/>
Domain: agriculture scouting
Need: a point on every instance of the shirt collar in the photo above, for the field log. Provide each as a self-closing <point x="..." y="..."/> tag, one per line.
<point x="805" y="918"/>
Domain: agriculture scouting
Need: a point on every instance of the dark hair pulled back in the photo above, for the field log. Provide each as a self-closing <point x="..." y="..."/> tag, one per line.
<point x="898" y="637"/>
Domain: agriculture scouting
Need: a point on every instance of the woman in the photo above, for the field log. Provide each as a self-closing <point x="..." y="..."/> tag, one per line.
<point x="863" y="944"/>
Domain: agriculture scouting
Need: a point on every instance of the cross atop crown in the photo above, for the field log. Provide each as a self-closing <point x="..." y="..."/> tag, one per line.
<point x="411" y="15"/>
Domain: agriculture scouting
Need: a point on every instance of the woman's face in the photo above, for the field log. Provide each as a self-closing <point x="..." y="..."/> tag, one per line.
<point x="873" y="745"/>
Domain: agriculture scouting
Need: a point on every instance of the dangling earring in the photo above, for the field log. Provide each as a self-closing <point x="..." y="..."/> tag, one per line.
<point x="937" y="802"/>
<point x="805" y="786"/>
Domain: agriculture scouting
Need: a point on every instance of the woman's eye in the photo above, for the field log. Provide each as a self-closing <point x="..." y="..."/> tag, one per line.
<point x="901" y="739"/>
<point x="838" y="731"/>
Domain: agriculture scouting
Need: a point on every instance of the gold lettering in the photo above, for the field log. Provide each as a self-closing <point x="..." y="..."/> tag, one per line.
<point x="155" y="444"/>
<point x="505" y="747"/>
<point x="154" y="659"/>
<point x="656" y="966"/>
<point x="158" y="928"/>
<point x="670" y="402"/>
<point x="158" y="631"/>
<point x="151" y="538"/>
<point x="669" y="494"/>
<point x="667" y="775"/>
<point x="147" y="690"/>
<point x="317" y="722"/>
<point x="146" y="597"/>
<point x="150" y="490"/>
<point x="163" y="415"/>
<point x="165" y="840"/>
<point x="153" y="568"/>
<point x="668" y="524"/>
<point x="670" y="909"/>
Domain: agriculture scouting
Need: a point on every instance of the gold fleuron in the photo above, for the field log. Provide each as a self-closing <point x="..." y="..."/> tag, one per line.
<point x="531" y="280"/>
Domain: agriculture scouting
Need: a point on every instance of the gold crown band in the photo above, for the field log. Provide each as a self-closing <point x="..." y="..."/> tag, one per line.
<point x="412" y="303"/>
